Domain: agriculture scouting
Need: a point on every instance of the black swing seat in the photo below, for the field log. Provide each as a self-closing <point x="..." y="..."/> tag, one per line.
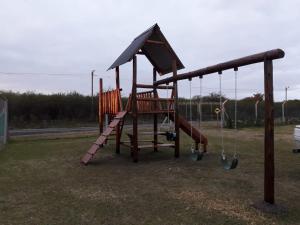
<point x="229" y="164"/>
<point x="171" y="136"/>
<point x="296" y="150"/>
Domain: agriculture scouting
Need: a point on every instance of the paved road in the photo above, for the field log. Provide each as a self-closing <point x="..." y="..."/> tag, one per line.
<point x="29" y="132"/>
<point x="53" y="131"/>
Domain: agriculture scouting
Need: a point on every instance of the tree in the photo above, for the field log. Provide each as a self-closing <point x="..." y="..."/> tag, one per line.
<point x="212" y="97"/>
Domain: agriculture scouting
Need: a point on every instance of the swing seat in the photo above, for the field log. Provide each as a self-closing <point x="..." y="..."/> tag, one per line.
<point x="171" y="136"/>
<point x="229" y="164"/>
<point x="296" y="150"/>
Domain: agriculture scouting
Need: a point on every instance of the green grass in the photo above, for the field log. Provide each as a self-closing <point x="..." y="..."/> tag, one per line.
<point x="42" y="182"/>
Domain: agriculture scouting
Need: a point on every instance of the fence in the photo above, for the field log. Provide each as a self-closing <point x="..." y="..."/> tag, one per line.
<point x="3" y="121"/>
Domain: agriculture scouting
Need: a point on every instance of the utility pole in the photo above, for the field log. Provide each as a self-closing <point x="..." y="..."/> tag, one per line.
<point x="92" y="94"/>
<point x="283" y="105"/>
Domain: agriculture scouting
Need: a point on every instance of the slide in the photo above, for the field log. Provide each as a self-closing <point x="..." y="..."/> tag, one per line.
<point x="186" y="127"/>
<point x="103" y="137"/>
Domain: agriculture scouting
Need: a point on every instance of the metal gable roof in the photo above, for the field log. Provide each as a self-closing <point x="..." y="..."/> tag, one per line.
<point x="159" y="55"/>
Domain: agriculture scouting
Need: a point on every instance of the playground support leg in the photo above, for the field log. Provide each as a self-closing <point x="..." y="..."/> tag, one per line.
<point x="176" y="108"/>
<point x="155" y="115"/>
<point x="269" y="133"/>
<point x="134" y="110"/>
<point x="196" y="146"/>
<point x="101" y="116"/>
<point x="118" y="130"/>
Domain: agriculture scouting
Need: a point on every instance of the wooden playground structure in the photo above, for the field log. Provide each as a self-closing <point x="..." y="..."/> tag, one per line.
<point x="158" y="51"/>
<point x="156" y="48"/>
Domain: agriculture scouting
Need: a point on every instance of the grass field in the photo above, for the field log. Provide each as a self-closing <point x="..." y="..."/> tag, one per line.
<point x="42" y="183"/>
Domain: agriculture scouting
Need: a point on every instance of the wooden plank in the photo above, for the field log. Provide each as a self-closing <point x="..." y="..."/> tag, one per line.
<point x="114" y="124"/>
<point x="101" y="114"/>
<point x="94" y="148"/>
<point x="134" y="111"/>
<point x="120" y="115"/>
<point x="155" y="42"/>
<point x="144" y="92"/>
<point x="86" y="158"/>
<point x="146" y="86"/>
<point x="176" y="108"/>
<point x="269" y="133"/>
<point x="107" y="131"/>
<point x="101" y="140"/>
<point x="155" y="137"/>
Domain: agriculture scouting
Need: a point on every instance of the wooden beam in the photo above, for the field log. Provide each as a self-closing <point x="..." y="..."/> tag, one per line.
<point x="155" y="42"/>
<point x="100" y="109"/>
<point x="269" y="133"/>
<point x="134" y="111"/>
<point x="176" y="108"/>
<point x="251" y="59"/>
<point x="155" y="138"/>
<point x="118" y="130"/>
<point x="153" y="86"/>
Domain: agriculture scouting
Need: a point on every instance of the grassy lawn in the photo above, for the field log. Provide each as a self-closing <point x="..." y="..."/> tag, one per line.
<point x="42" y="182"/>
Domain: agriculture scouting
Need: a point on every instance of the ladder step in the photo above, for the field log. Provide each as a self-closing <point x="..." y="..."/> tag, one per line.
<point x="114" y="123"/>
<point x="100" y="140"/>
<point x="86" y="158"/>
<point x="107" y="131"/>
<point x="93" y="149"/>
<point x="120" y="115"/>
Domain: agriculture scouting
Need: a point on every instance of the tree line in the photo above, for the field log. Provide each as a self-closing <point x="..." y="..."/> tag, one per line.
<point x="32" y="108"/>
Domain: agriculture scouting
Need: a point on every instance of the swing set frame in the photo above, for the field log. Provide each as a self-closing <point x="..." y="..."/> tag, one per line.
<point x="266" y="58"/>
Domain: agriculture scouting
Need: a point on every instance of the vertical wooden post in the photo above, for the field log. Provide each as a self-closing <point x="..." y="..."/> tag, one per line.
<point x="269" y="133"/>
<point x="176" y="108"/>
<point x="100" y="109"/>
<point x="155" y="109"/>
<point x="118" y="131"/>
<point x="134" y="111"/>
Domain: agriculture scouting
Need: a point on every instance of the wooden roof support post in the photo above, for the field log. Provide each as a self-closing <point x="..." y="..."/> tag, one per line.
<point x="176" y="109"/>
<point x="100" y="109"/>
<point x="118" y="105"/>
<point x="269" y="133"/>
<point x="155" y="109"/>
<point x="134" y="111"/>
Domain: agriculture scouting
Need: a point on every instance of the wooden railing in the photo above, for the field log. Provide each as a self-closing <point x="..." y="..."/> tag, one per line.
<point x="148" y="102"/>
<point x="110" y="102"/>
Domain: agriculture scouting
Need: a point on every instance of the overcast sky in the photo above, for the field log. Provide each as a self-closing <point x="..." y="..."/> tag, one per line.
<point x="41" y="39"/>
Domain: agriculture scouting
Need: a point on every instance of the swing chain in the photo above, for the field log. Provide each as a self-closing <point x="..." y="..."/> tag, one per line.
<point x="222" y="115"/>
<point x="235" y="110"/>
<point x="200" y="110"/>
